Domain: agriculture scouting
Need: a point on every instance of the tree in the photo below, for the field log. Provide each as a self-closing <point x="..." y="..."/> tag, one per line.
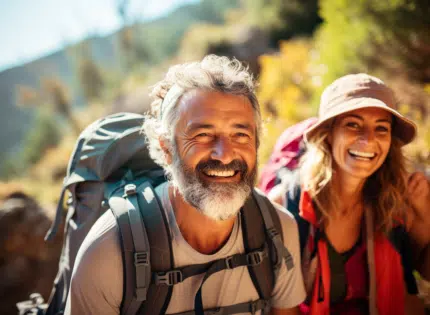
<point x="283" y="19"/>
<point x="132" y="47"/>
<point x="90" y="78"/>
<point x="56" y="92"/>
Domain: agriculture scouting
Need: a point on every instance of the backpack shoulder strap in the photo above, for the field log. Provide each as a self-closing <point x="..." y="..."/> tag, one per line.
<point x="400" y="240"/>
<point x="260" y="225"/>
<point x="145" y="248"/>
<point x="292" y="205"/>
<point x="159" y="237"/>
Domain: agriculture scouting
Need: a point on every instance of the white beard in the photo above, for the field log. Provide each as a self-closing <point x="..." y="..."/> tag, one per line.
<point x="218" y="201"/>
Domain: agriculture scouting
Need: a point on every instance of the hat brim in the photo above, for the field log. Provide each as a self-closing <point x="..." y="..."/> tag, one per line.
<point x="404" y="128"/>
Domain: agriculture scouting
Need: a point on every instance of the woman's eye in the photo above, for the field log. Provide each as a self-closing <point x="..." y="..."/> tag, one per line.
<point x="352" y="125"/>
<point x="382" y="129"/>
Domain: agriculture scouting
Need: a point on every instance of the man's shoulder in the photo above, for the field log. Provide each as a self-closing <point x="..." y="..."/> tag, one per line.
<point x="286" y="217"/>
<point x="103" y="237"/>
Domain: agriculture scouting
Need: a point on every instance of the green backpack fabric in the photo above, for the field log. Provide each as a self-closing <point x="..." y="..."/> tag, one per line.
<point x="110" y="169"/>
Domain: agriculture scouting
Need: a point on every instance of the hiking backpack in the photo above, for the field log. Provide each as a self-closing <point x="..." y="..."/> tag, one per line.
<point x="110" y="168"/>
<point x="286" y="155"/>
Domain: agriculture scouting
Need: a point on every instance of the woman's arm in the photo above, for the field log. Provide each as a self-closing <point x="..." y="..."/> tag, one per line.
<point x="423" y="263"/>
<point x="419" y="221"/>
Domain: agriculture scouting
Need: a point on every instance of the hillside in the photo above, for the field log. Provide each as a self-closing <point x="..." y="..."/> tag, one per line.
<point x="160" y="39"/>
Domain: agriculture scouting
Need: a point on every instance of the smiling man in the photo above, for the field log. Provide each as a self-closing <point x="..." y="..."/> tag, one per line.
<point x="204" y="130"/>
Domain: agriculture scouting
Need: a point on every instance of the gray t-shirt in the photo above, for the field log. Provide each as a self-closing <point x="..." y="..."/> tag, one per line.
<point x="97" y="280"/>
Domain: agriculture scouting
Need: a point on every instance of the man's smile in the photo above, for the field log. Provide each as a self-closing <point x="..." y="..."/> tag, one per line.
<point x="221" y="176"/>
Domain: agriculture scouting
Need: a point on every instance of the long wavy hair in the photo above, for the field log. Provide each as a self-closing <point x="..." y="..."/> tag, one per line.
<point x="384" y="192"/>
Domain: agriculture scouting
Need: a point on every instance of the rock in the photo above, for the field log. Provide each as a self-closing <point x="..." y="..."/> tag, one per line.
<point x="27" y="263"/>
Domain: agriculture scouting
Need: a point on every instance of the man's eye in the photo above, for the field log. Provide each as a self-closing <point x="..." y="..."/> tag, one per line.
<point x="241" y="134"/>
<point x="241" y="137"/>
<point x="203" y="135"/>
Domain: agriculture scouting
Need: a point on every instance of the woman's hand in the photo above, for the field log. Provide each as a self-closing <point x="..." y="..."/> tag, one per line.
<point x="419" y="214"/>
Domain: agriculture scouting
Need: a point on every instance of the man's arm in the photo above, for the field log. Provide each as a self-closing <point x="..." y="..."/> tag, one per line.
<point x="97" y="278"/>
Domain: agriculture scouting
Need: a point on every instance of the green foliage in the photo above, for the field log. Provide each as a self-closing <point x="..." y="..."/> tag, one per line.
<point x="45" y="133"/>
<point x="286" y="88"/>
<point x="283" y="19"/>
<point x="375" y="35"/>
<point x="162" y="38"/>
<point x="89" y="75"/>
<point x="343" y="37"/>
<point x="58" y="96"/>
<point x="90" y="78"/>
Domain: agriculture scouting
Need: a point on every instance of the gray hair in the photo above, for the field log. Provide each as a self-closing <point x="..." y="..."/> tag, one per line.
<point x="213" y="73"/>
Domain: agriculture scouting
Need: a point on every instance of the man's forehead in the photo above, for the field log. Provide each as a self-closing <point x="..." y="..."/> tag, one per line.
<point x="209" y="107"/>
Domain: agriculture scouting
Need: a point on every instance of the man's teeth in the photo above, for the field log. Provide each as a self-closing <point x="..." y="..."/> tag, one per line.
<point x="220" y="173"/>
<point x="360" y="154"/>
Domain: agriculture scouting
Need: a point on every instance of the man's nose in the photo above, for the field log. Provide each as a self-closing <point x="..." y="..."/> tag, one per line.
<point x="223" y="150"/>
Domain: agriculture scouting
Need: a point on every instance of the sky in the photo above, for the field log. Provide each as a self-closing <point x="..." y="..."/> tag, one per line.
<point x="30" y="29"/>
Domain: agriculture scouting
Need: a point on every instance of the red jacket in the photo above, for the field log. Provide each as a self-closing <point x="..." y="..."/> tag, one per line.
<point x="386" y="271"/>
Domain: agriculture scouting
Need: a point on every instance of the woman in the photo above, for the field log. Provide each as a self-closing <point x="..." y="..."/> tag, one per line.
<point x="353" y="216"/>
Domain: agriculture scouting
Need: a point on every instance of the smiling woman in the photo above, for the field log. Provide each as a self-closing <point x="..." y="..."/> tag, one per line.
<point x="354" y="213"/>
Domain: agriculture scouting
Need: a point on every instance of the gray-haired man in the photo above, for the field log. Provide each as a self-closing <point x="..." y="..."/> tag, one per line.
<point x="204" y="130"/>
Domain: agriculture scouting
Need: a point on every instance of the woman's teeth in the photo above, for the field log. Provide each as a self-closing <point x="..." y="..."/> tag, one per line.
<point x="362" y="155"/>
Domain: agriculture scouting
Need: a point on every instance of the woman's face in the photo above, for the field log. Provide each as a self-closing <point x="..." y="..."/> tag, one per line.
<point x="360" y="141"/>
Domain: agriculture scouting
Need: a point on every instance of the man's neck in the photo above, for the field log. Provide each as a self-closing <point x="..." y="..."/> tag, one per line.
<point x="203" y="234"/>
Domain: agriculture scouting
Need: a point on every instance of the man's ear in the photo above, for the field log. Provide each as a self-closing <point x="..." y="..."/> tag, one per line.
<point x="164" y="144"/>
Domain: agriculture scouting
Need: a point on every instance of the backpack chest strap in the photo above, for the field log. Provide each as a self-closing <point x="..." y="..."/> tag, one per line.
<point x="251" y="259"/>
<point x="178" y="275"/>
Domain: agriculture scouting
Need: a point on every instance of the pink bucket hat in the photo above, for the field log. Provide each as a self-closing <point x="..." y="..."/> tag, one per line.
<point x="356" y="91"/>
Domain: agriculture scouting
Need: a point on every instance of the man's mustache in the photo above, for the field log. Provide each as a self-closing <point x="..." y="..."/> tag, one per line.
<point x="215" y="165"/>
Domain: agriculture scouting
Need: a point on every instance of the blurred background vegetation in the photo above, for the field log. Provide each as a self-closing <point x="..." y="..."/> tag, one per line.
<point x="295" y="48"/>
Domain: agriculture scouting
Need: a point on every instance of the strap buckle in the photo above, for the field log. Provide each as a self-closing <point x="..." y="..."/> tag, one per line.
<point x="168" y="278"/>
<point x="229" y="262"/>
<point x="255" y="258"/>
<point x="129" y="190"/>
<point x="272" y="232"/>
<point x="260" y="305"/>
<point x="141" y="258"/>
<point x="141" y="262"/>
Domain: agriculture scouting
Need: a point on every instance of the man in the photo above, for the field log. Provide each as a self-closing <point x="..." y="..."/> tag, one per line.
<point x="204" y="130"/>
